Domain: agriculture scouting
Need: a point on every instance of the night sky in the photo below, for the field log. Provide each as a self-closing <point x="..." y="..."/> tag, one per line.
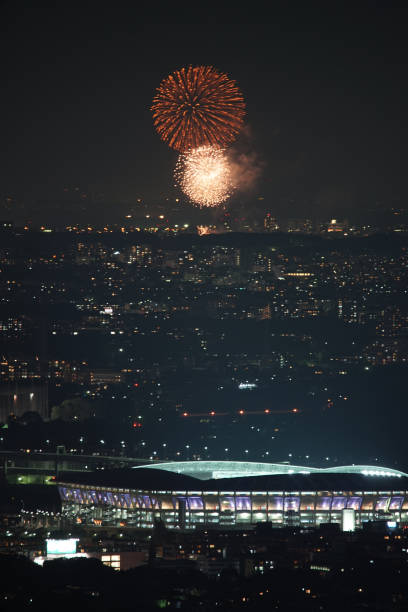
<point x="325" y="86"/>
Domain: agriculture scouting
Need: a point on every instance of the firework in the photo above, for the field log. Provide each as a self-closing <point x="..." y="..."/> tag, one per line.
<point x="204" y="175"/>
<point x="205" y="230"/>
<point x="198" y="106"/>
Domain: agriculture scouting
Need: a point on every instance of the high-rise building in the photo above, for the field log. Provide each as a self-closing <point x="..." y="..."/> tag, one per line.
<point x="270" y="223"/>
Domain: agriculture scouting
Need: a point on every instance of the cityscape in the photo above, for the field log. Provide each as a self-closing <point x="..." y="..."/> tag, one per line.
<point x="260" y="333"/>
<point x="203" y="359"/>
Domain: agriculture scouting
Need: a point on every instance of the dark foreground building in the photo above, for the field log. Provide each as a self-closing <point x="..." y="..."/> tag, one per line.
<point x="186" y="495"/>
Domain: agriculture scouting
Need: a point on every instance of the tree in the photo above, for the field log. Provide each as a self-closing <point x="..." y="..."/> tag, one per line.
<point x="75" y="409"/>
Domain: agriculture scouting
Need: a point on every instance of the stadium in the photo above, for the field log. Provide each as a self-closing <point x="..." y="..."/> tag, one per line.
<point x="234" y="494"/>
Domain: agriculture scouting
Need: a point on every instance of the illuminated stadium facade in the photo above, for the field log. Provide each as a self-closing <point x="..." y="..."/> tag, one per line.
<point x="193" y="494"/>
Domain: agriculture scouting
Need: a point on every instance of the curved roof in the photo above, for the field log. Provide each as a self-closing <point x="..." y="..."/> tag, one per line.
<point x="159" y="480"/>
<point x="205" y="470"/>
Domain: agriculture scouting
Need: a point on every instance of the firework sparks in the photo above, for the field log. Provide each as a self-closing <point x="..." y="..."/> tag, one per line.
<point x="203" y="230"/>
<point x="204" y="175"/>
<point x="196" y="107"/>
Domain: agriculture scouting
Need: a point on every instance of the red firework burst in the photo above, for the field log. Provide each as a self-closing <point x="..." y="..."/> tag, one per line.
<point x="196" y="107"/>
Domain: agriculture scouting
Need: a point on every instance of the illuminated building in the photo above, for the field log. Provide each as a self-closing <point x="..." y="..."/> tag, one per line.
<point x="336" y="226"/>
<point x="270" y="223"/>
<point x="105" y="377"/>
<point x="266" y="312"/>
<point x="298" y="274"/>
<point x="301" y="226"/>
<point x="190" y="494"/>
<point x="348" y="519"/>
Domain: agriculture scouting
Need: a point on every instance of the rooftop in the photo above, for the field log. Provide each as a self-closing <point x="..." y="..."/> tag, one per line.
<point x="241" y="476"/>
<point x="205" y="470"/>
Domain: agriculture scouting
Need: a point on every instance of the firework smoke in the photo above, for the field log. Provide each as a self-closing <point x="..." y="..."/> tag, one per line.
<point x="245" y="169"/>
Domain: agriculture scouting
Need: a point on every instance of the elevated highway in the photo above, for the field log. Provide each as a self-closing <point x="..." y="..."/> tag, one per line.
<point x="35" y="467"/>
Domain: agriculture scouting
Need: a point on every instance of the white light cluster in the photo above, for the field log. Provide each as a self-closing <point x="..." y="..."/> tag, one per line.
<point x="379" y="473"/>
<point x="247" y="385"/>
<point x="61" y="547"/>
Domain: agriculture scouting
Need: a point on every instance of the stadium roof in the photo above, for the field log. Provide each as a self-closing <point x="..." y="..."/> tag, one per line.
<point x="205" y="470"/>
<point x="245" y="477"/>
